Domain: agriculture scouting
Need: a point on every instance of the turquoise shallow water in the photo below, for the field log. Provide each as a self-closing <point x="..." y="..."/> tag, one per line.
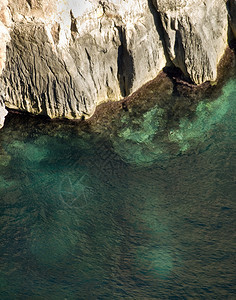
<point x="145" y="211"/>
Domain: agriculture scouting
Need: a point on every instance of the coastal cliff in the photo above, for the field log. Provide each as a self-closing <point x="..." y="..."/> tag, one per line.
<point x="195" y="35"/>
<point x="62" y="58"/>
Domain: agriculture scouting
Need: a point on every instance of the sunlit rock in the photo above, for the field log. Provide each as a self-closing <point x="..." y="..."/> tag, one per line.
<point x="62" y="58"/>
<point x="3" y="113"/>
<point x="195" y="34"/>
<point x="65" y="57"/>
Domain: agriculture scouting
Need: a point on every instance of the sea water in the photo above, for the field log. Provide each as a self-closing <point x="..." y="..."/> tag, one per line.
<point x="143" y="212"/>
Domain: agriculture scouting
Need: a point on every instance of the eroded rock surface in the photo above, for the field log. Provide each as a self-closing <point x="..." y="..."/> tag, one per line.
<point x="62" y="63"/>
<point x="195" y="35"/>
<point x="5" y="23"/>
<point x="3" y="113"/>
<point x="62" y="58"/>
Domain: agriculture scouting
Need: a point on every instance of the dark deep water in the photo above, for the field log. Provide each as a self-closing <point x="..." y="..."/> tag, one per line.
<point x="145" y="211"/>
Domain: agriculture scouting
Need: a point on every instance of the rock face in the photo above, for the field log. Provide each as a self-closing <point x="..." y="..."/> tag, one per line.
<point x="5" y="23"/>
<point x="3" y="113"/>
<point x="195" y="35"/>
<point x="63" y="63"/>
<point x="62" y="58"/>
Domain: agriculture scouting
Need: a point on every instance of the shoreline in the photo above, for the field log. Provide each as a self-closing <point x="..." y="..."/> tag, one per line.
<point x="168" y="81"/>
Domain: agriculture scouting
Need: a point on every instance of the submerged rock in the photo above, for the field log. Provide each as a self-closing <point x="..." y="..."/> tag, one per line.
<point x="62" y="58"/>
<point x="166" y="131"/>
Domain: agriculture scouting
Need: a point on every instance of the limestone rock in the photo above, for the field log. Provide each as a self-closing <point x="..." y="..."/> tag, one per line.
<point x="195" y="35"/>
<point x="3" y="113"/>
<point x="65" y="58"/>
<point x="5" y="23"/>
<point x="61" y="58"/>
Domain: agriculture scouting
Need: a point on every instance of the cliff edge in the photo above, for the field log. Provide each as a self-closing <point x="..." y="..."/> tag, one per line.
<point x="62" y="58"/>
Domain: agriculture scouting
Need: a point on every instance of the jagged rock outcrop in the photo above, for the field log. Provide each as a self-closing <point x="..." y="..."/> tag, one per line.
<point x="195" y="35"/>
<point x="61" y="58"/>
<point x="5" y="23"/>
<point x="63" y="63"/>
<point x="3" y="113"/>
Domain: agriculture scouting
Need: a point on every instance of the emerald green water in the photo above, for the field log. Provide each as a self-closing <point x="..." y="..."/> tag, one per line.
<point x="144" y="210"/>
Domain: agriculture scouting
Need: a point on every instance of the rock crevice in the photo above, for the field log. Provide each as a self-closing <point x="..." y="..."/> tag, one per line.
<point x="196" y="34"/>
<point x="62" y="58"/>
